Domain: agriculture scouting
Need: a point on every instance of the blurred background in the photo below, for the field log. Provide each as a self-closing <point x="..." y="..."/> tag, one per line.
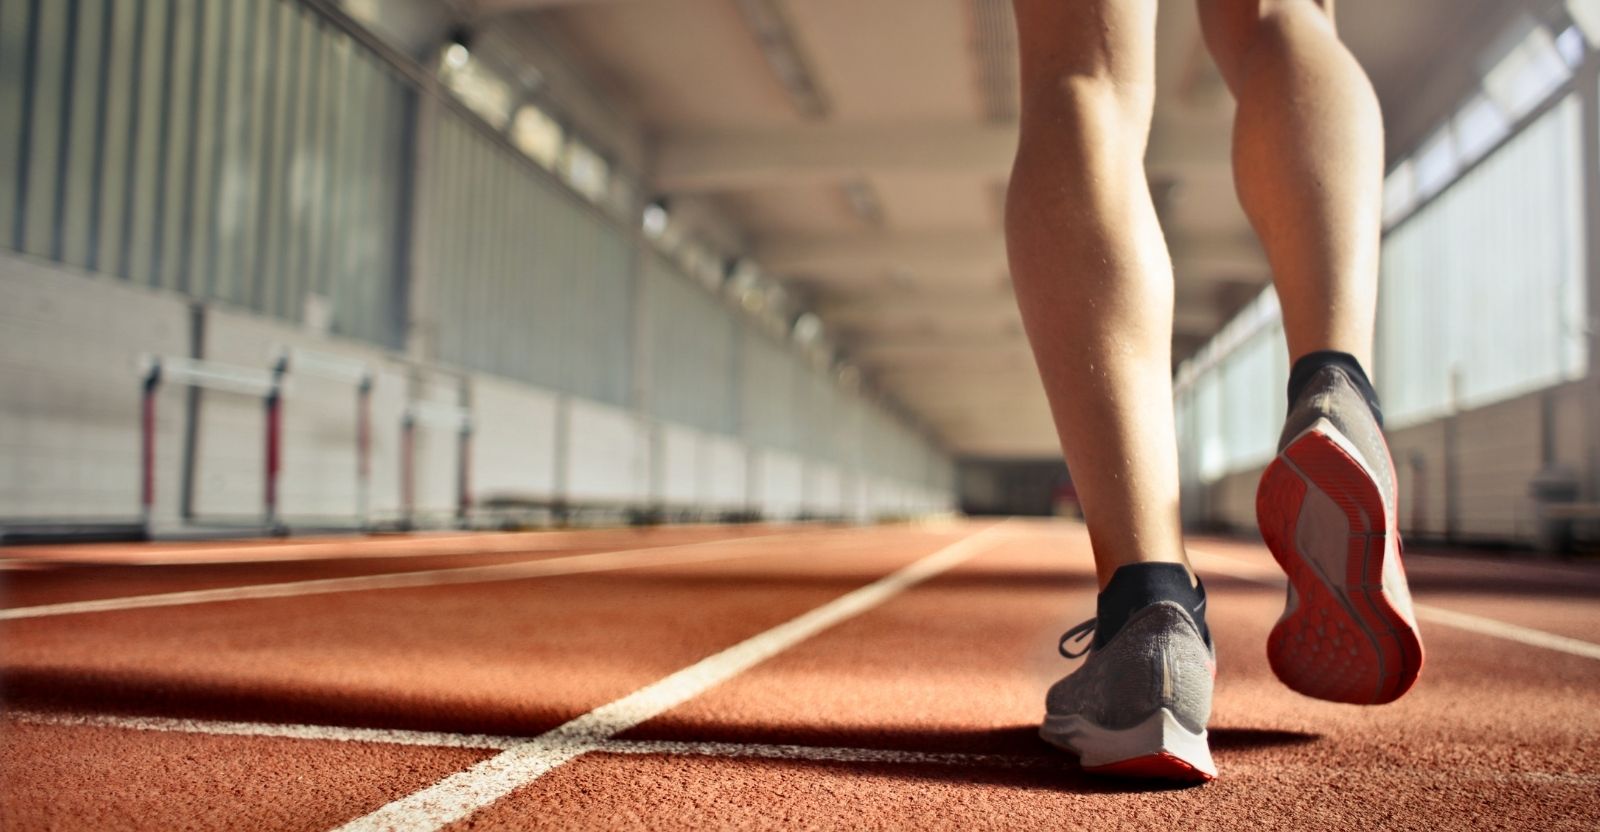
<point x="294" y="265"/>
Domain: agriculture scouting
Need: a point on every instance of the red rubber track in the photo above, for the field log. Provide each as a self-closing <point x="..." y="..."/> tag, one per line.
<point x="1498" y="735"/>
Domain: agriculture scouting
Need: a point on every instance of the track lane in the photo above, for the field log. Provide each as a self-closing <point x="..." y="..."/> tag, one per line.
<point x="81" y="577"/>
<point x="515" y="656"/>
<point x="110" y="779"/>
<point x="510" y="658"/>
<point x="890" y="706"/>
<point x="1498" y="735"/>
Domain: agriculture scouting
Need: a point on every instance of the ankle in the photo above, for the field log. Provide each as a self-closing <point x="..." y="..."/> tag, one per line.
<point x="1138" y="585"/>
<point x="1308" y="365"/>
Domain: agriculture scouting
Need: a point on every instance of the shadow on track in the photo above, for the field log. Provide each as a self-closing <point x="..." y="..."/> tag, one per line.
<point x="1019" y="758"/>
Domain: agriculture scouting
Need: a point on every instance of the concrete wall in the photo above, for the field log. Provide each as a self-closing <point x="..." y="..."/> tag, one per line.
<point x="70" y="393"/>
<point x="70" y="347"/>
<point x="1464" y="477"/>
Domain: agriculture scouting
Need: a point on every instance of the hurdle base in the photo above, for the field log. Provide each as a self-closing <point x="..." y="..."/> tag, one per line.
<point x="38" y="532"/>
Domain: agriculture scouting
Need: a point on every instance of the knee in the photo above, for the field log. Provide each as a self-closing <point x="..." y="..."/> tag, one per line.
<point x="1089" y="104"/>
<point x="1238" y="32"/>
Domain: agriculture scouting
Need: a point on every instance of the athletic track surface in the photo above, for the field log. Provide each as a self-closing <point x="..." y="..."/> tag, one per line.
<point x="754" y="677"/>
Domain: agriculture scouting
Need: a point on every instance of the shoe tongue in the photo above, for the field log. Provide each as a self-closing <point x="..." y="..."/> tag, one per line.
<point x="1138" y="585"/>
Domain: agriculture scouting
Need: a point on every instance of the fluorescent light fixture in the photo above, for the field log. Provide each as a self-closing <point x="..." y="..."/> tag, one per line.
<point x="807" y="328"/>
<point x="655" y="219"/>
<point x="1572" y="46"/>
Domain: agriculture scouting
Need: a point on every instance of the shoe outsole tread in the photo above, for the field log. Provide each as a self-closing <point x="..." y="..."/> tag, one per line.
<point x="1343" y="644"/>
<point x="1158" y="766"/>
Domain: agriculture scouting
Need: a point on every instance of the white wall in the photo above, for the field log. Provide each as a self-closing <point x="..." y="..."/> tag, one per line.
<point x="318" y="474"/>
<point x="607" y="453"/>
<point x="725" y="477"/>
<point x="824" y="489"/>
<point x="69" y="427"/>
<point x="782" y="485"/>
<point x="679" y="466"/>
<point x="70" y="393"/>
<point x="514" y="440"/>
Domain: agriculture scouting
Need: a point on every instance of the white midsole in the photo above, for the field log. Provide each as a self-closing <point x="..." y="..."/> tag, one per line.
<point x="1159" y="733"/>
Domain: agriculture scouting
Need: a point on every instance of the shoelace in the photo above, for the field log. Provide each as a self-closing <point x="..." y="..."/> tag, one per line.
<point x="1078" y="634"/>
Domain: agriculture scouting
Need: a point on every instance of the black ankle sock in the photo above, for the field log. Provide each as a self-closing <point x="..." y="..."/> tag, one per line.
<point x="1311" y="362"/>
<point x="1138" y="585"/>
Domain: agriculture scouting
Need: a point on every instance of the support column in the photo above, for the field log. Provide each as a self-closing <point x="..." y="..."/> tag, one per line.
<point x="1587" y="83"/>
<point x="421" y="327"/>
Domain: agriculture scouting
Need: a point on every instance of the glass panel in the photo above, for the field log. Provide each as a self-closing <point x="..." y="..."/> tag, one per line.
<point x="1435" y="164"/>
<point x="1478" y="289"/>
<point x="13" y="60"/>
<point x="1478" y="125"/>
<point x="83" y="131"/>
<point x="1528" y="74"/>
<point x="178" y="151"/>
<point x="45" y="106"/>
<point x="145" y="172"/>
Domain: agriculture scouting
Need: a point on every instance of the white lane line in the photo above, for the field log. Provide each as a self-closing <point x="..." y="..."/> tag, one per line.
<point x="1510" y="632"/>
<point x="467" y="791"/>
<point x="326" y="733"/>
<point x="443" y="739"/>
<point x="1425" y="612"/>
<point x="733" y="750"/>
<point x="395" y="547"/>
<point x="547" y="567"/>
<point x="822" y="754"/>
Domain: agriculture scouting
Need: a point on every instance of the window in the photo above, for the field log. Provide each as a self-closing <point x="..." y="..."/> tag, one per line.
<point x="584" y="170"/>
<point x="1586" y="13"/>
<point x="1435" y="163"/>
<point x="1478" y="125"/>
<point x="1399" y="193"/>
<point x="1527" y="74"/>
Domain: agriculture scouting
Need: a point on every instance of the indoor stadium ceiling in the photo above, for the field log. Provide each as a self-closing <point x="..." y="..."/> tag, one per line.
<point x="859" y="149"/>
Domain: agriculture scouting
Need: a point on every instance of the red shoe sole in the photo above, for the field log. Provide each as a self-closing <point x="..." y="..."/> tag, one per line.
<point x="1160" y="766"/>
<point x="1345" y="640"/>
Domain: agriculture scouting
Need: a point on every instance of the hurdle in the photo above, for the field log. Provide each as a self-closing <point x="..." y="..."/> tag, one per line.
<point x="435" y="414"/>
<point x="223" y="378"/>
<point x="345" y="370"/>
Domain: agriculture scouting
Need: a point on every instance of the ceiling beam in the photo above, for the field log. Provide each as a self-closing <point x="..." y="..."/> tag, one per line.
<point x="1197" y="257"/>
<point x="973" y="251"/>
<point x="995" y="312"/>
<point x="826" y="152"/>
<point x="489" y="8"/>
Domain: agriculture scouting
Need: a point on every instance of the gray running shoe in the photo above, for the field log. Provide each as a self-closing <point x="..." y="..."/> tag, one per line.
<point x="1138" y="705"/>
<point x="1328" y="510"/>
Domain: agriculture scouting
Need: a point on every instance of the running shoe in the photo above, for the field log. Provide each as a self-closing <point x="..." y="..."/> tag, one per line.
<point x="1327" y="506"/>
<point x="1138" y="705"/>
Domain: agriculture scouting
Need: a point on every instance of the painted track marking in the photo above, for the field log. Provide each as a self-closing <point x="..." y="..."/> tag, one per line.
<point x="541" y="568"/>
<point x="326" y="733"/>
<point x="726" y="750"/>
<point x="1479" y="624"/>
<point x="412" y="545"/>
<point x="467" y="791"/>
<point x="443" y="739"/>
